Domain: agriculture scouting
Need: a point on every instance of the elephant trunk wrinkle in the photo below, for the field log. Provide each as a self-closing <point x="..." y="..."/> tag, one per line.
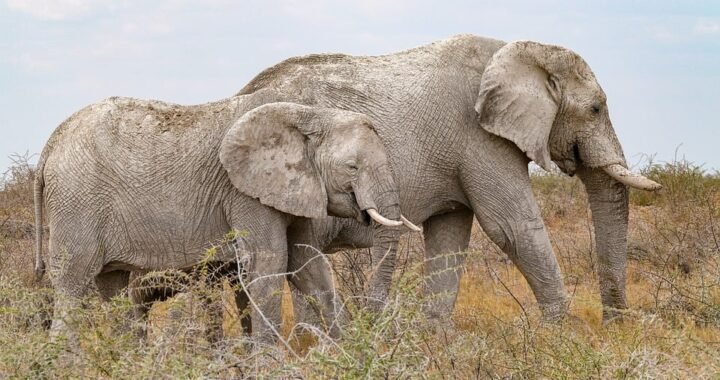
<point x="610" y="209"/>
<point x="381" y="190"/>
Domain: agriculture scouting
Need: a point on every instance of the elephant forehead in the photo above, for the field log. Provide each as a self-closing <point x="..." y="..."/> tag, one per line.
<point x="358" y="131"/>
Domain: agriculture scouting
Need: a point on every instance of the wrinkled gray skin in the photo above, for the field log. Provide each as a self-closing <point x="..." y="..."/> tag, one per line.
<point x="460" y="120"/>
<point x="144" y="185"/>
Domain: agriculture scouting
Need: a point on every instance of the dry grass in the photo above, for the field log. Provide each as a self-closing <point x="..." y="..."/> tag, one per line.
<point x="671" y="331"/>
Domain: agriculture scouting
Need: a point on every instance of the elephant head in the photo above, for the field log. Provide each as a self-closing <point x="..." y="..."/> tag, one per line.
<point x="547" y="101"/>
<point x="311" y="162"/>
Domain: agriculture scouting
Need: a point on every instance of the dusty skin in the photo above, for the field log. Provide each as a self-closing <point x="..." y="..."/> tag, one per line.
<point x="460" y="119"/>
<point x="130" y="184"/>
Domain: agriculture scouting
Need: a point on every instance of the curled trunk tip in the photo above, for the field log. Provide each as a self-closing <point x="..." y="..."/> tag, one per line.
<point x="631" y="179"/>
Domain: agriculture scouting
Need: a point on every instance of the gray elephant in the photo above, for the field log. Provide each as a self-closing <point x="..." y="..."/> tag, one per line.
<point x="143" y="185"/>
<point x="461" y="119"/>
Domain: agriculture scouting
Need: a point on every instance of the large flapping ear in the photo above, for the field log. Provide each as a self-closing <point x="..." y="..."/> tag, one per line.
<point x="519" y="97"/>
<point x="266" y="156"/>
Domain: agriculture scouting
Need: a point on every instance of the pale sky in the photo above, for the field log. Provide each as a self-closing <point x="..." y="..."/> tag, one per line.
<point x="658" y="61"/>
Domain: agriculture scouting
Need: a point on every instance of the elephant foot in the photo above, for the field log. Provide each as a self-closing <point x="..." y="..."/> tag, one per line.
<point x="374" y="305"/>
<point x="439" y="305"/>
<point x="441" y="326"/>
<point x="138" y="328"/>
<point x="376" y="300"/>
<point x="70" y="355"/>
<point x="612" y="315"/>
<point x="554" y="312"/>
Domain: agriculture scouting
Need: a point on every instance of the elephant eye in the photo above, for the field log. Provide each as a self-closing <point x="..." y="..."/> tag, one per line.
<point x="595" y="109"/>
<point x="352" y="165"/>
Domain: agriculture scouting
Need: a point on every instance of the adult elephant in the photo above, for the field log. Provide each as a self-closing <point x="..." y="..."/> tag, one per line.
<point x="461" y="119"/>
<point x="132" y="184"/>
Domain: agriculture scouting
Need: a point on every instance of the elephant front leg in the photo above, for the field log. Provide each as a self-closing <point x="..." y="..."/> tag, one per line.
<point x="446" y="237"/>
<point x="312" y="276"/>
<point x="515" y="225"/>
<point x="264" y="287"/>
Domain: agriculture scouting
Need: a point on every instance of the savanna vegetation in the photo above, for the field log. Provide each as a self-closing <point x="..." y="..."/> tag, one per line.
<point x="672" y="329"/>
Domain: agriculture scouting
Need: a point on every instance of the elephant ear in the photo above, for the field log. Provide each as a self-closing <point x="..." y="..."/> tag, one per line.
<point x="266" y="156"/>
<point x="519" y="98"/>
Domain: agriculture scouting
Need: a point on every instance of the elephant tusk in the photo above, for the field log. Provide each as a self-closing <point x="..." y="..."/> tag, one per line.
<point x="409" y="224"/>
<point x="383" y="220"/>
<point x="631" y="179"/>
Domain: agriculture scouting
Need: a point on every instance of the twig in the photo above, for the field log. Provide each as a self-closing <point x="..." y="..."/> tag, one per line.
<point x="492" y="271"/>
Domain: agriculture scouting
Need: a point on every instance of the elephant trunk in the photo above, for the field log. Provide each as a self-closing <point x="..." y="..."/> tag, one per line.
<point x="602" y="169"/>
<point x="609" y="204"/>
<point x="376" y="190"/>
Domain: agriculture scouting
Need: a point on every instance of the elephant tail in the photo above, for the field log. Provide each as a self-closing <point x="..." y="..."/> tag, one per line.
<point x="39" y="187"/>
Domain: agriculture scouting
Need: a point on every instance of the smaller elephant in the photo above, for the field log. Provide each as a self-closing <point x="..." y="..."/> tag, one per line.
<point x="135" y="185"/>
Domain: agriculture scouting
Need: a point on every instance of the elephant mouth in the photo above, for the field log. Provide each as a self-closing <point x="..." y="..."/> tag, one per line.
<point x="364" y="218"/>
<point x="370" y="213"/>
<point x="570" y="164"/>
<point x="361" y="215"/>
<point x="618" y="172"/>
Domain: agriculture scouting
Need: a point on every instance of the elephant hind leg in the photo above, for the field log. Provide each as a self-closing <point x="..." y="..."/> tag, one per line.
<point x="75" y="261"/>
<point x="71" y="290"/>
<point x="446" y="237"/>
<point x="64" y="322"/>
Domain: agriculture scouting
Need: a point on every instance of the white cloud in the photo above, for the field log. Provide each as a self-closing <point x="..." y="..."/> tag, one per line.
<point x="58" y="9"/>
<point x="705" y="27"/>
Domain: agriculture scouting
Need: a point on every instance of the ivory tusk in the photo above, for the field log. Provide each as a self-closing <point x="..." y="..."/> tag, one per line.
<point x="631" y="179"/>
<point x="409" y="224"/>
<point x="381" y="219"/>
